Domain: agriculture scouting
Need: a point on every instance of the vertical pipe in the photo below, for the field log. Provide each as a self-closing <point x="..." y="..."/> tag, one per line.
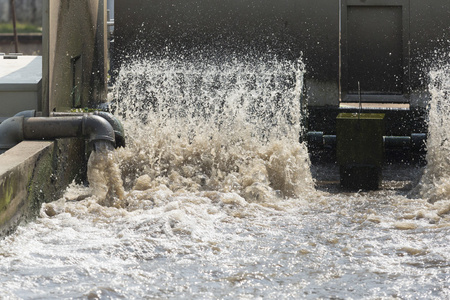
<point x="16" y="39"/>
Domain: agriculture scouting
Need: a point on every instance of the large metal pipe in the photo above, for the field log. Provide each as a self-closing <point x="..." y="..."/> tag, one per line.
<point x="88" y="126"/>
<point x="119" y="132"/>
<point x="91" y="127"/>
<point x="11" y="132"/>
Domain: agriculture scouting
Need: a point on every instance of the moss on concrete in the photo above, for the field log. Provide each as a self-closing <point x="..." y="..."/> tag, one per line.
<point x="7" y="188"/>
<point x="39" y="178"/>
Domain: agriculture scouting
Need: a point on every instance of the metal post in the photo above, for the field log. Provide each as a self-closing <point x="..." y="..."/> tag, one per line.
<point x="16" y="39"/>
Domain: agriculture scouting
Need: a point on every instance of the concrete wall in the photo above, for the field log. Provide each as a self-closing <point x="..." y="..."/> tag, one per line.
<point x="74" y="54"/>
<point x="35" y="172"/>
<point x="73" y="75"/>
<point x="430" y="43"/>
<point x="283" y="27"/>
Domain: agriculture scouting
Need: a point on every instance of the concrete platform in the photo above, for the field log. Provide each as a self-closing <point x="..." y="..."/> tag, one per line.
<point x="20" y="84"/>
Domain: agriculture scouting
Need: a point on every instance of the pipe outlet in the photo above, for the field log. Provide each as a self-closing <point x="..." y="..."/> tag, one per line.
<point x="119" y="132"/>
<point x="96" y="128"/>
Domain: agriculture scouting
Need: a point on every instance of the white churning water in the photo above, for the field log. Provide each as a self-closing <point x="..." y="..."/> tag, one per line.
<point x="213" y="198"/>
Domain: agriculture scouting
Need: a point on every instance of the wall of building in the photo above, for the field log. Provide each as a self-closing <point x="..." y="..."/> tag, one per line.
<point x="286" y="28"/>
<point x="430" y="43"/>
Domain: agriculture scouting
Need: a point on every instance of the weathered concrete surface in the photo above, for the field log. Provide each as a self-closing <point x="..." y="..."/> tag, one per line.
<point x="20" y="85"/>
<point x="35" y="172"/>
<point x="73" y="75"/>
<point x="74" y="53"/>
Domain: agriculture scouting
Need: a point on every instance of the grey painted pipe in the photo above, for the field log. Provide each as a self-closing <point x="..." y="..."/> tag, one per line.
<point x="416" y="142"/>
<point x="119" y="132"/>
<point x="115" y="123"/>
<point x="26" y="113"/>
<point x="11" y="132"/>
<point x="19" y="128"/>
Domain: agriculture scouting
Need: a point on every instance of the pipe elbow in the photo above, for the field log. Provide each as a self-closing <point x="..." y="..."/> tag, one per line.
<point x="26" y="113"/>
<point x="93" y="127"/>
<point x="11" y="132"/>
<point x="115" y="123"/>
<point x="96" y="128"/>
<point x="119" y="132"/>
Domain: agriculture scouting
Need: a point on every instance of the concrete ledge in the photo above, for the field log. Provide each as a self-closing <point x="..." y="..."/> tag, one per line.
<point x="35" y="172"/>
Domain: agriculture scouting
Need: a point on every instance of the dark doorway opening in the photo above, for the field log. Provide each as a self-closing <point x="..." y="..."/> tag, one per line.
<point x="375" y="51"/>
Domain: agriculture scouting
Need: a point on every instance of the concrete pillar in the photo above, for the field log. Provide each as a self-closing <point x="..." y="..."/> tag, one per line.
<point x="74" y="54"/>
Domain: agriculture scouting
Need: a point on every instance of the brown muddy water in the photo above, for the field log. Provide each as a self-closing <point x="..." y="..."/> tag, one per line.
<point x="213" y="198"/>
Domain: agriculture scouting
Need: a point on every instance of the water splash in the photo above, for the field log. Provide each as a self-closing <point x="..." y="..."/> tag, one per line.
<point x="435" y="182"/>
<point x="104" y="177"/>
<point x="205" y="215"/>
<point x="229" y="126"/>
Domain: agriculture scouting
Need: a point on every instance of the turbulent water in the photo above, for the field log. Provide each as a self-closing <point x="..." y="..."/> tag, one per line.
<point x="213" y="198"/>
<point x="435" y="184"/>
